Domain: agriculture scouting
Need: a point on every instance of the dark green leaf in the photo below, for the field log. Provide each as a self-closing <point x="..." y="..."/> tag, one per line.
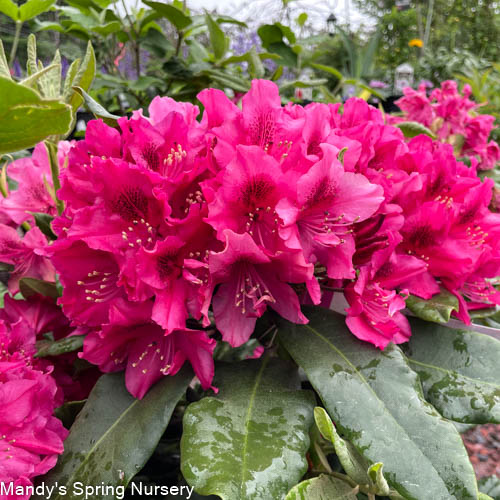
<point x="288" y="56"/>
<point x="47" y="348"/>
<point x="115" y="434"/>
<point x="249" y="441"/>
<point x="217" y="37"/>
<point x="26" y="118"/>
<point x="174" y="15"/>
<point x="323" y="487"/>
<point x="4" y="267"/>
<point x="412" y="129"/>
<point x="375" y="400"/>
<point x="43" y="222"/>
<point x="459" y="370"/>
<point x="437" y="309"/>
<point x="31" y="286"/>
<point x="269" y="33"/>
<point x="96" y="109"/>
<point x="68" y="412"/>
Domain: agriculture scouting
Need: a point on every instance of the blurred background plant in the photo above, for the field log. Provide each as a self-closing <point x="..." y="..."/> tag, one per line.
<point x="324" y="51"/>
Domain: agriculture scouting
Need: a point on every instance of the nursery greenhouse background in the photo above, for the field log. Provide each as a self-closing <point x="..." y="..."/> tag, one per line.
<point x="250" y="250"/>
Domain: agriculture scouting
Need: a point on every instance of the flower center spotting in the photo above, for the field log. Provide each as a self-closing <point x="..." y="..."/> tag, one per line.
<point x="169" y="264"/>
<point x="262" y="128"/>
<point x="422" y="236"/>
<point x="131" y="204"/>
<point x="258" y="197"/>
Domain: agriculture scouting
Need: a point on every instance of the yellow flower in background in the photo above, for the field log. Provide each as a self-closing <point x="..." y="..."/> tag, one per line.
<point x="416" y="42"/>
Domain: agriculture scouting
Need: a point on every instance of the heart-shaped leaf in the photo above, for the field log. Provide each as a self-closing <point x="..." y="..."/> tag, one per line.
<point x="459" y="370"/>
<point x="249" y="441"/>
<point x="375" y="400"/>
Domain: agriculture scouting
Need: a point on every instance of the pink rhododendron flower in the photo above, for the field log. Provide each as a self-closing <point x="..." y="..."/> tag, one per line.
<point x="35" y="191"/>
<point x="133" y="342"/>
<point x="31" y="437"/>
<point x="25" y="255"/>
<point x="453" y="118"/>
<point x="172" y="224"/>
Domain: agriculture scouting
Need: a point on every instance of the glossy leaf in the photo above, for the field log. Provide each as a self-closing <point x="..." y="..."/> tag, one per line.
<point x="437" y="309"/>
<point x="323" y="487"/>
<point x="48" y="348"/>
<point x="249" y="441"/>
<point x="375" y="400"/>
<point x="412" y="129"/>
<point x="26" y="118"/>
<point x="33" y="8"/>
<point x="31" y="286"/>
<point x="173" y="14"/>
<point x="115" y="434"/>
<point x="459" y="370"/>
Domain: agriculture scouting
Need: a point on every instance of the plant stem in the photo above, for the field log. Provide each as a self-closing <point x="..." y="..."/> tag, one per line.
<point x="428" y="23"/>
<point x="15" y="43"/>
<point x="134" y="39"/>
<point x="54" y="170"/>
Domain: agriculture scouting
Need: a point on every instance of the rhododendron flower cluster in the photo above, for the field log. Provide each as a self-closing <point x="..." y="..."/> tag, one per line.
<point x="175" y="227"/>
<point x="31" y="438"/>
<point x="453" y="117"/>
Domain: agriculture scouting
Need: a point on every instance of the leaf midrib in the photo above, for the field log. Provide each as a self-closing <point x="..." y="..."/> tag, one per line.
<point x="324" y="339"/>
<point x="244" y="450"/>
<point x="451" y="372"/>
<point x="98" y="442"/>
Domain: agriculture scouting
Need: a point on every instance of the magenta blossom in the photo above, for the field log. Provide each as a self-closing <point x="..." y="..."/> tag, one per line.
<point x="25" y="255"/>
<point x="31" y="437"/>
<point x="131" y="341"/>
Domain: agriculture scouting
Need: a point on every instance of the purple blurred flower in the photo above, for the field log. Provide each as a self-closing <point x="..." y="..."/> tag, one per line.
<point x="377" y="84"/>
<point x="428" y="84"/>
<point x="16" y="69"/>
